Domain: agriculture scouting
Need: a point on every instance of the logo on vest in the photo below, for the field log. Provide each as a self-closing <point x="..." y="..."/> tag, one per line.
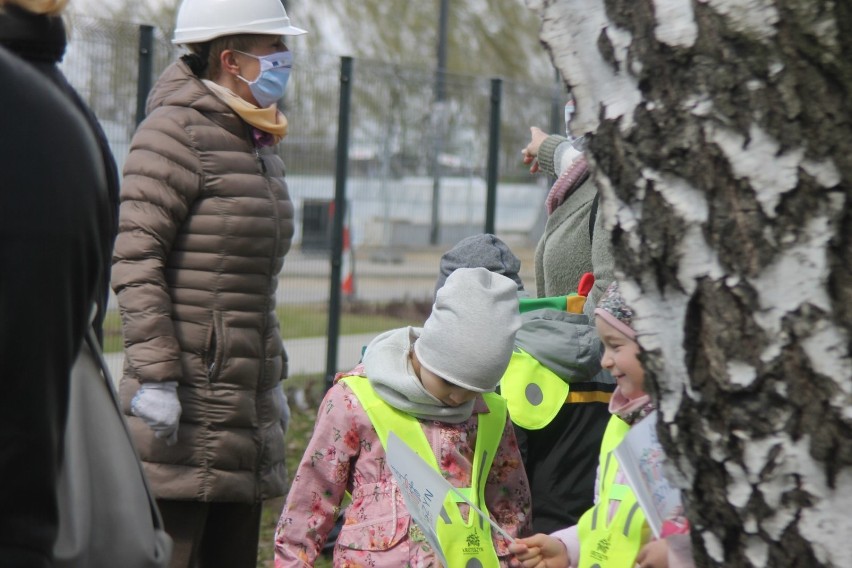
<point x="473" y="544"/>
<point x="601" y="550"/>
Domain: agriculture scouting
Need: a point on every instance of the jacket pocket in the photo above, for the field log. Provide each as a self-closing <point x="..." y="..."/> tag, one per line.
<point x="214" y="355"/>
<point x="375" y="524"/>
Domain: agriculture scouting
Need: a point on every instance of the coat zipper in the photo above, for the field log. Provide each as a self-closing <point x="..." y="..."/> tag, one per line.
<point x="260" y="161"/>
<point x="274" y="202"/>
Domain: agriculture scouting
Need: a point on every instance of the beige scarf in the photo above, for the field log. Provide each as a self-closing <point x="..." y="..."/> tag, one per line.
<point x="270" y="119"/>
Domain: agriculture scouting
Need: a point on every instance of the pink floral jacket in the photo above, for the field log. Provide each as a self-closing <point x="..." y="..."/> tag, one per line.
<point x="345" y="454"/>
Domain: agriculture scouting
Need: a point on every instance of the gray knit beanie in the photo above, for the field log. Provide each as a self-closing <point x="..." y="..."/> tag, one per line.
<point x="469" y="337"/>
<point x="483" y="250"/>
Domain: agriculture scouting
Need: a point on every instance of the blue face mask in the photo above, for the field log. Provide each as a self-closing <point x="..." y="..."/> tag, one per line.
<point x="272" y="80"/>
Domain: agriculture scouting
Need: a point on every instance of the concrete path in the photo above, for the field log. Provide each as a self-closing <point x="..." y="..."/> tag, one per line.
<point x="307" y="356"/>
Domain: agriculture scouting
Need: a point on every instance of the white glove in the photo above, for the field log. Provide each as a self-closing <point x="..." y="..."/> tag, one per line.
<point x="158" y="405"/>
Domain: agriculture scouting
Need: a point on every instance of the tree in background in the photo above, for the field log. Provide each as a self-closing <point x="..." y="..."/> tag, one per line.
<point x="102" y="58"/>
<point x="722" y="141"/>
<point x="485" y="37"/>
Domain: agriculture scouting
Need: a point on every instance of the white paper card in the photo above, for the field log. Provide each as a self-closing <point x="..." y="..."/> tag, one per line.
<point x="641" y="457"/>
<point x="424" y="490"/>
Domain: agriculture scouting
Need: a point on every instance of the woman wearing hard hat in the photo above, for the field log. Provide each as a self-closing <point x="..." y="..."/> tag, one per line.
<point x="204" y="225"/>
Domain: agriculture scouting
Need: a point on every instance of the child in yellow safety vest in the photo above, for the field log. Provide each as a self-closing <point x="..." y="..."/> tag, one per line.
<point x="557" y="395"/>
<point x="433" y="387"/>
<point x="613" y="533"/>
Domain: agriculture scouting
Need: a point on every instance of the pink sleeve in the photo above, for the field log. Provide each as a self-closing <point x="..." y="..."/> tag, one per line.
<point x="572" y="542"/>
<point x="507" y="493"/>
<point x="320" y="481"/>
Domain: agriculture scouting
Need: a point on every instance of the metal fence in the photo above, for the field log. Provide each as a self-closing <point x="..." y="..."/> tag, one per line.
<point x="418" y="169"/>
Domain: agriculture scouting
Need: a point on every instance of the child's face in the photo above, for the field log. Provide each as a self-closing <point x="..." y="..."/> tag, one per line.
<point x="446" y="392"/>
<point x="621" y="359"/>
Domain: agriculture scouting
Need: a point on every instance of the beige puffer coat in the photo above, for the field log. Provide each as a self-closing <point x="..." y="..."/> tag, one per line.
<point x="204" y="224"/>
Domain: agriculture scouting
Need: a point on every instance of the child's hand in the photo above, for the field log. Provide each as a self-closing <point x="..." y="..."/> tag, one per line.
<point x="655" y="554"/>
<point x="539" y="551"/>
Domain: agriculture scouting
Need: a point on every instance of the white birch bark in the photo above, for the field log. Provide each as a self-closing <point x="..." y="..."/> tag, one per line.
<point x="721" y="138"/>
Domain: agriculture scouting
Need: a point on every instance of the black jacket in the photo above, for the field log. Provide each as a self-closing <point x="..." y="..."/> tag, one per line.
<point x="561" y="459"/>
<point x="56" y="231"/>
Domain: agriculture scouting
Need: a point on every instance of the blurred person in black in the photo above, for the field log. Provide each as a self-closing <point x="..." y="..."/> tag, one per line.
<point x="57" y="225"/>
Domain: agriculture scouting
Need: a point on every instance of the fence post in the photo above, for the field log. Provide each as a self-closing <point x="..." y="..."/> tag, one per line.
<point x="493" y="155"/>
<point x="146" y="69"/>
<point x="438" y="120"/>
<point x="342" y="162"/>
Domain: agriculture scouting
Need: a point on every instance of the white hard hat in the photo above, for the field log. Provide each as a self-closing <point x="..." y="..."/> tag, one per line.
<point x="202" y="20"/>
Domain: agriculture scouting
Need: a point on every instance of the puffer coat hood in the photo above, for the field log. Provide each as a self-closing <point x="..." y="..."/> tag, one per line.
<point x="204" y="225"/>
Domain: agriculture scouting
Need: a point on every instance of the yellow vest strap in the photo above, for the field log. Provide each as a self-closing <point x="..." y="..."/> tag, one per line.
<point x="463" y="542"/>
<point x="612" y="542"/>
<point x="533" y="393"/>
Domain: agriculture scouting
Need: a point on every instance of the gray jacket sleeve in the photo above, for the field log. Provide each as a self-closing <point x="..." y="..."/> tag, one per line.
<point x="549" y="153"/>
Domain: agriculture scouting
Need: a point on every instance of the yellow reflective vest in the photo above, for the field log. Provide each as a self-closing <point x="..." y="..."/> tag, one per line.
<point x="536" y="382"/>
<point x="534" y="393"/>
<point x="465" y="544"/>
<point x="616" y="543"/>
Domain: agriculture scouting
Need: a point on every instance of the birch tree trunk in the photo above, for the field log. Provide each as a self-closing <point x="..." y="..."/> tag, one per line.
<point x="721" y="139"/>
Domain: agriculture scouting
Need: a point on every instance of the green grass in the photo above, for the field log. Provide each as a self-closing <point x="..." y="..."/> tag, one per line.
<point x="112" y="332"/>
<point x="311" y="320"/>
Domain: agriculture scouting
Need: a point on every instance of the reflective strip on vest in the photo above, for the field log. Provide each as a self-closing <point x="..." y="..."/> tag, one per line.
<point x="465" y="544"/>
<point x="614" y="544"/>
<point x="533" y="393"/>
<point x="576" y="397"/>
